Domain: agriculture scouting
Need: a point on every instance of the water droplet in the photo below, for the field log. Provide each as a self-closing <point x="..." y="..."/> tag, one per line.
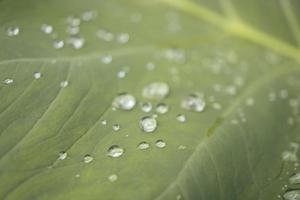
<point x="47" y="29"/>
<point x="73" y="21"/>
<point x="249" y="101"/>
<point x="8" y="81"/>
<point x="292" y="195"/>
<point x="89" y="15"/>
<point x="148" y="124"/>
<point x="64" y="84"/>
<point x="217" y="106"/>
<point x="160" y="144"/>
<point x="181" y="118"/>
<point x="116" y="127"/>
<point x="284" y="94"/>
<point x="146" y="107"/>
<point x="113" y="178"/>
<point x="13" y="31"/>
<point x="103" y="122"/>
<point x="73" y="30"/>
<point x="156" y="90"/>
<point x="181" y="147"/>
<point x="143" y="145"/>
<point x="62" y="155"/>
<point x="106" y="59"/>
<point x="105" y="35"/>
<point x="124" y="101"/>
<point x="58" y="44"/>
<point x="162" y="108"/>
<point x="37" y="75"/>
<point x="193" y="102"/>
<point x="115" y="151"/>
<point x="150" y="66"/>
<point x="295" y="179"/>
<point x="123" y="38"/>
<point x="76" y="42"/>
<point x="88" y="158"/>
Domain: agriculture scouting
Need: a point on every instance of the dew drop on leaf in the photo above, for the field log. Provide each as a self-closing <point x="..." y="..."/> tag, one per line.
<point x="76" y="42"/>
<point x="106" y="59"/>
<point x="8" y="81"/>
<point x="193" y="102"/>
<point x="13" y="31"/>
<point x="156" y="90"/>
<point x="37" y="75"/>
<point x="88" y="158"/>
<point x="46" y="28"/>
<point x="105" y="35"/>
<point x="113" y="177"/>
<point x="181" y="118"/>
<point x="160" y="144"/>
<point x="295" y="179"/>
<point x="124" y="101"/>
<point x="64" y="84"/>
<point x="292" y="195"/>
<point x="104" y="122"/>
<point x="146" y="107"/>
<point x="58" y="44"/>
<point x="123" y="38"/>
<point x="62" y="155"/>
<point x="143" y="145"/>
<point x="115" y="151"/>
<point x="116" y="127"/>
<point x="162" y="108"/>
<point x="148" y="124"/>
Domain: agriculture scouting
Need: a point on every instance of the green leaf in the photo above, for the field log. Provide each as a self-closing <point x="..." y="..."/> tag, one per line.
<point x="242" y="56"/>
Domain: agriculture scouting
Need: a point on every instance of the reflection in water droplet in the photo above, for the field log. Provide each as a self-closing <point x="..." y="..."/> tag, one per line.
<point x="8" y="81"/>
<point x="88" y="158"/>
<point x="295" y="179"/>
<point x="181" y="118"/>
<point x="148" y="124"/>
<point x="37" y="75"/>
<point x="113" y="178"/>
<point x="106" y="59"/>
<point x="124" y="101"/>
<point x="64" y="84"/>
<point x="156" y="90"/>
<point x="160" y="144"/>
<point x="116" y="127"/>
<point x="46" y="28"/>
<point x="162" y="108"/>
<point x="146" y="107"/>
<point x="193" y="102"/>
<point x="115" y="151"/>
<point x="58" y="44"/>
<point x="292" y="195"/>
<point x="143" y="145"/>
<point x="13" y="31"/>
<point x="62" y="155"/>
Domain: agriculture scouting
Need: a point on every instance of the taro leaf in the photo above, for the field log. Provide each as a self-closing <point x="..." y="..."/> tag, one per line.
<point x="241" y="55"/>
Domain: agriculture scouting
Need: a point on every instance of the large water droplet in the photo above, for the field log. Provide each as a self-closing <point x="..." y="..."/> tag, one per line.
<point x="143" y="145"/>
<point x="146" y="107"/>
<point x="46" y="28"/>
<point x="148" y="124"/>
<point x="124" y="101"/>
<point x="160" y="144"/>
<point x="295" y="179"/>
<point x="292" y="195"/>
<point x="115" y="151"/>
<point x="62" y="155"/>
<point x="8" y="81"/>
<point x="162" y="108"/>
<point x="88" y="158"/>
<point x="193" y="102"/>
<point x="13" y="31"/>
<point x="113" y="178"/>
<point x="156" y="90"/>
<point x="181" y="118"/>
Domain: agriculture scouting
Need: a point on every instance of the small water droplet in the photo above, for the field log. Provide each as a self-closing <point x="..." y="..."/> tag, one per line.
<point x="150" y="66"/>
<point x="13" y="31"/>
<point x="113" y="178"/>
<point x="124" y="101"/>
<point x="193" y="102"/>
<point x="37" y="75"/>
<point x="292" y="195"/>
<point x="62" y="155"/>
<point x="73" y="21"/>
<point x="148" y="124"/>
<point x="156" y="90"/>
<point x="89" y="15"/>
<point x="181" y="147"/>
<point x="249" y="101"/>
<point x="143" y="145"/>
<point x="105" y="35"/>
<point x="116" y="127"/>
<point x="146" y="107"/>
<point x="103" y="122"/>
<point x="106" y="59"/>
<point x="217" y="106"/>
<point x="123" y="38"/>
<point x="122" y="74"/>
<point x="160" y="144"/>
<point x="73" y="30"/>
<point x="162" y="108"/>
<point x="8" y="81"/>
<point x="115" y="151"/>
<point x="76" y="42"/>
<point x="64" y="84"/>
<point x="295" y="179"/>
<point x="181" y="118"/>
<point x="88" y="158"/>
<point x="47" y="29"/>
<point x="58" y="44"/>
